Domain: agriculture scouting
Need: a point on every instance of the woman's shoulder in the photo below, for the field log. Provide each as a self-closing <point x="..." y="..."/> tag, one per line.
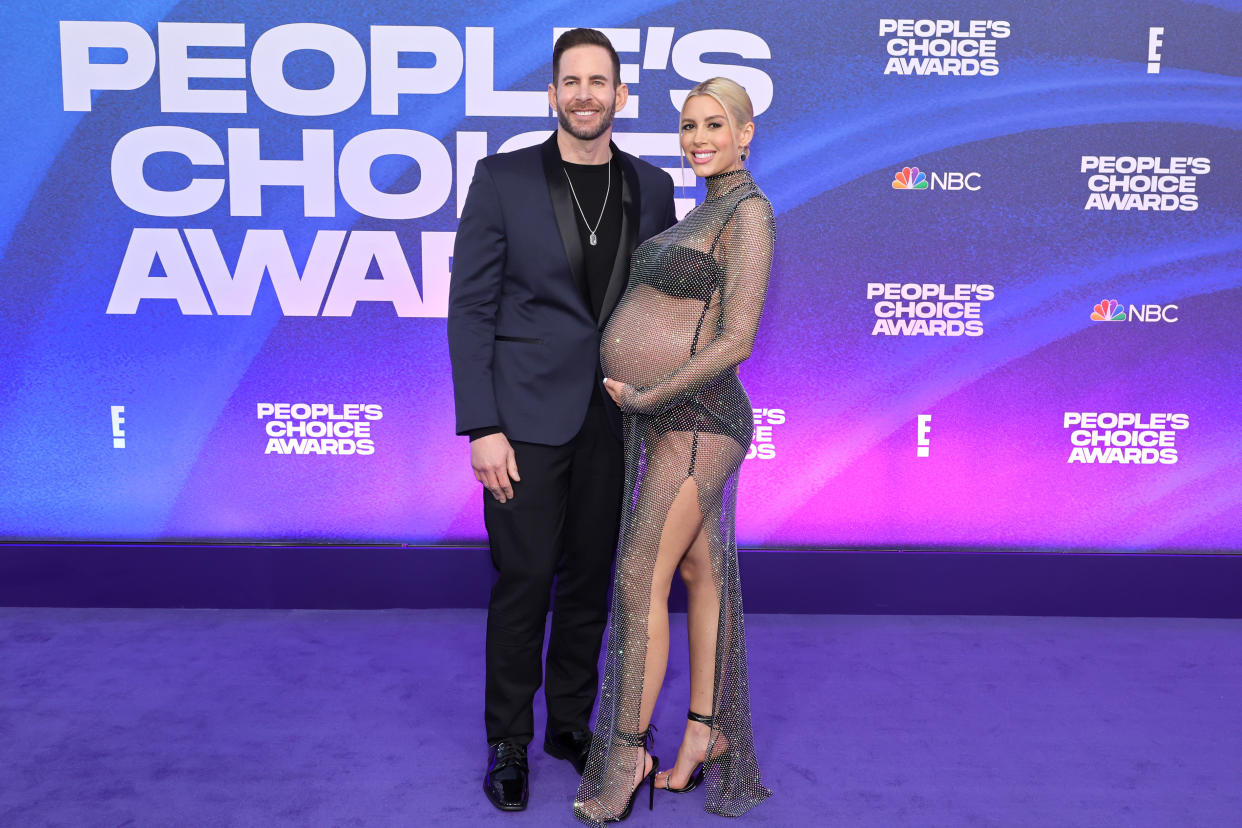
<point x="752" y="204"/>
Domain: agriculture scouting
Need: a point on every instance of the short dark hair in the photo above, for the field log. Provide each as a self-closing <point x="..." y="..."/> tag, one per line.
<point x="584" y="37"/>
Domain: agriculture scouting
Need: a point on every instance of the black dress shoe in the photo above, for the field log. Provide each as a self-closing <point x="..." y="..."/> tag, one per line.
<point x="572" y="745"/>
<point x="506" y="781"/>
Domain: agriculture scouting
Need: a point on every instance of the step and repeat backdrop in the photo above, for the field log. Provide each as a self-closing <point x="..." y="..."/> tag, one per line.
<point x="1004" y="311"/>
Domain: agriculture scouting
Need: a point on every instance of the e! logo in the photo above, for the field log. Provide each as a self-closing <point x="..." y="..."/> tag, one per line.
<point x="1155" y="40"/>
<point x="118" y="433"/>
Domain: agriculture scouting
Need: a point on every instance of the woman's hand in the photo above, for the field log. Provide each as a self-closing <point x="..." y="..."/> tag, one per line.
<point x="624" y="395"/>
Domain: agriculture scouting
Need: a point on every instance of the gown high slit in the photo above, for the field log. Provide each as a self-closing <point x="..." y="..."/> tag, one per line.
<point x="688" y="317"/>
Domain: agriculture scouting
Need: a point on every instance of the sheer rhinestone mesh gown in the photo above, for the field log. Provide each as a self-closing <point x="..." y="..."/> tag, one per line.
<point x="687" y="319"/>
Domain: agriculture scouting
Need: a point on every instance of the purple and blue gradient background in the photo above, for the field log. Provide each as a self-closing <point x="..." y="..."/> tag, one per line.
<point x="1072" y="82"/>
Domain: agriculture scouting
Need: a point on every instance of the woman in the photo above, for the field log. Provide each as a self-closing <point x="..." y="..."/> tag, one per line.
<point x="670" y="351"/>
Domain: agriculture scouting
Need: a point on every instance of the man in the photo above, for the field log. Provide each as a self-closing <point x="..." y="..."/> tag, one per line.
<point x="542" y="256"/>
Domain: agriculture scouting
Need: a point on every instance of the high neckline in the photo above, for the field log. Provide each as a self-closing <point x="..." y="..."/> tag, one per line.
<point x="723" y="182"/>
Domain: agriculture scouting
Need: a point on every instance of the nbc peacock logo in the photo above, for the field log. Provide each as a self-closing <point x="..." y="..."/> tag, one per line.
<point x="910" y="178"/>
<point x="1108" y="310"/>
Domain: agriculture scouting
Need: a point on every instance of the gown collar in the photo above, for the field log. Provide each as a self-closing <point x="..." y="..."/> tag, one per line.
<point x="721" y="183"/>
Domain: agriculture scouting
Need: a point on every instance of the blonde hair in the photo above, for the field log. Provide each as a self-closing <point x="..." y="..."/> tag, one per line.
<point x="733" y="99"/>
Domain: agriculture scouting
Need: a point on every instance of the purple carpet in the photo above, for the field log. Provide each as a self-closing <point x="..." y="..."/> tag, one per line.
<point x="373" y="718"/>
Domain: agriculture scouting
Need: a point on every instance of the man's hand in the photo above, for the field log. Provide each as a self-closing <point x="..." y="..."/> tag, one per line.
<point x="495" y="465"/>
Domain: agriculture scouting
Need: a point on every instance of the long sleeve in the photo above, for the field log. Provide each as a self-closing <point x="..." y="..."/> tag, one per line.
<point x="474" y="295"/>
<point x="744" y="249"/>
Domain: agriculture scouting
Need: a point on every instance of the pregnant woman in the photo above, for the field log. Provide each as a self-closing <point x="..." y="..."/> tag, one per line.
<point x="671" y="351"/>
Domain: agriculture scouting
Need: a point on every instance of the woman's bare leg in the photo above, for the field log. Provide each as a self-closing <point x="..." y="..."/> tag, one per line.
<point x="702" y="626"/>
<point x="682" y="525"/>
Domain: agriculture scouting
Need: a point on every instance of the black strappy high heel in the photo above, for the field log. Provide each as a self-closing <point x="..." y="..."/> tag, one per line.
<point x="643" y="740"/>
<point x="696" y="776"/>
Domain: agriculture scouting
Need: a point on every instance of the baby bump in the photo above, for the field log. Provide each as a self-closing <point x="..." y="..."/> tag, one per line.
<point x="648" y="336"/>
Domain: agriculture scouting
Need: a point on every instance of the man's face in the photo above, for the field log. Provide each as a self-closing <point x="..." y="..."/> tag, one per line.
<point x="586" y="96"/>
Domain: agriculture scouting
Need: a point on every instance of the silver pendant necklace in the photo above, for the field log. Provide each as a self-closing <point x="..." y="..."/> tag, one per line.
<point x="607" y="191"/>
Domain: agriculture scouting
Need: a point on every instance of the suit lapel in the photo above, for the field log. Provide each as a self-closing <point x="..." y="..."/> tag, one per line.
<point x="630" y="200"/>
<point x="563" y="208"/>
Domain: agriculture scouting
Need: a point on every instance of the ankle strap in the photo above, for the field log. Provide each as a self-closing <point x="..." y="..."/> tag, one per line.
<point x="701" y="719"/>
<point x="642" y="739"/>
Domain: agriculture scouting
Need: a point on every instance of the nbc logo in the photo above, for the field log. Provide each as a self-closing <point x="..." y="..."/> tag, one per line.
<point x="1108" y="310"/>
<point x="912" y="178"/>
<point x="909" y="178"/>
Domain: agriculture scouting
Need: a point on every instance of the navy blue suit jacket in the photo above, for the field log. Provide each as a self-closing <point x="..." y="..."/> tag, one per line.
<point x="523" y="341"/>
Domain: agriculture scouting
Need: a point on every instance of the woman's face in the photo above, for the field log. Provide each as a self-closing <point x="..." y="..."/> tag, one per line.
<point x="710" y="146"/>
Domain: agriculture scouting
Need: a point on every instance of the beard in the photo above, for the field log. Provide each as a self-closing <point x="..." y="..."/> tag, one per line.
<point x="606" y="115"/>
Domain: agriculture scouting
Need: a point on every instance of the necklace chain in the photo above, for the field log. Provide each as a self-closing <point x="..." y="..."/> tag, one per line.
<point x="607" y="192"/>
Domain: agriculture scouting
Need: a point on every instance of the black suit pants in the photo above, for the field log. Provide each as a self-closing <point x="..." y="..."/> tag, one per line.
<point x="560" y="528"/>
